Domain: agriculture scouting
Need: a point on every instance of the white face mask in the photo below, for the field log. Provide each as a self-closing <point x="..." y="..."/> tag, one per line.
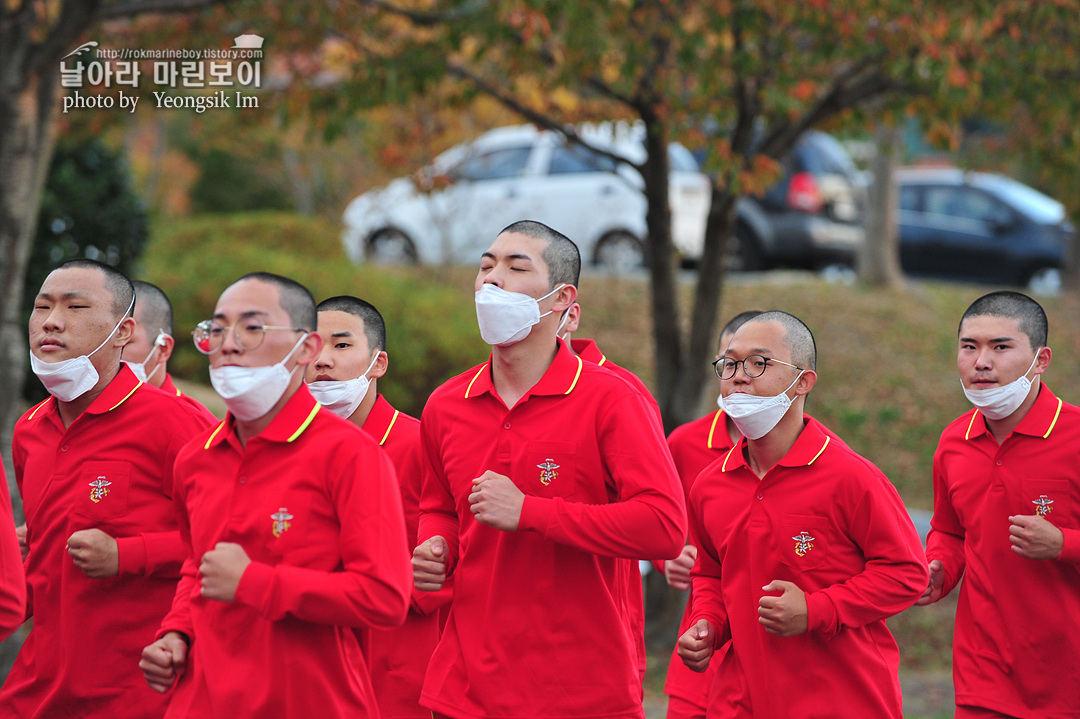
<point x="251" y="392"/>
<point x="342" y="397"/>
<point x="69" y="379"/>
<point x="756" y="416"/>
<point x="507" y="317"/>
<point x="139" y="368"/>
<point x="1000" y="402"/>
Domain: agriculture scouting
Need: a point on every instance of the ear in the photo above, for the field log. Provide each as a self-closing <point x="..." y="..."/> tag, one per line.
<point x="564" y="298"/>
<point x="1042" y="363"/>
<point x="805" y="383"/>
<point x="574" y="320"/>
<point x="310" y="349"/>
<point x="382" y="363"/>
<point x="169" y="344"/>
<point x="124" y="332"/>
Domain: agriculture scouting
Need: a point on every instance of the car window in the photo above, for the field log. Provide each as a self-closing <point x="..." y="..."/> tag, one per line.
<point x="966" y="203"/>
<point x="821" y="154"/>
<point x="573" y="158"/>
<point x="909" y="198"/>
<point x="494" y="164"/>
<point x="1035" y="204"/>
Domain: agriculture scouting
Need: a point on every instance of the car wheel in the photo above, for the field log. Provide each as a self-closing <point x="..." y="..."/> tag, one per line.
<point x="1045" y="281"/>
<point x="619" y="252"/>
<point x="390" y="247"/>
<point x="746" y="256"/>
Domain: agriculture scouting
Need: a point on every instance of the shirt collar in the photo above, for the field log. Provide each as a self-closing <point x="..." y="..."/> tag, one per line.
<point x="122" y="386"/>
<point x="1039" y="421"/>
<point x="718" y="434"/>
<point x="809" y="445"/>
<point x="587" y="350"/>
<point x="291" y="421"/>
<point x="561" y="376"/>
<point x="380" y="420"/>
<point x="168" y="386"/>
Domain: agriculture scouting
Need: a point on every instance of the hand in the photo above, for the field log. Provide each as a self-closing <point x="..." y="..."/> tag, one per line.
<point x="429" y="565"/>
<point x="677" y="570"/>
<point x="163" y="661"/>
<point x="496" y="501"/>
<point x="783" y="616"/>
<point x="221" y="569"/>
<point x="696" y="646"/>
<point x="20" y="532"/>
<point x="1034" y="537"/>
<point x="94" y="553"/>
<point x="934" y="587"/>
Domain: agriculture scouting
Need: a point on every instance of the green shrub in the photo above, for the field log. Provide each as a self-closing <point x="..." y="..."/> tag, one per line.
<point x="431" y="326"/>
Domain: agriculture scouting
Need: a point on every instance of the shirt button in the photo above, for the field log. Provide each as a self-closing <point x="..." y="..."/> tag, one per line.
<point x="999" y="463"/>
<point x="64" y="448"/>
<point x="761" y="496"/>
<point x="243" y="480"/>
<point x="506" y="425"/>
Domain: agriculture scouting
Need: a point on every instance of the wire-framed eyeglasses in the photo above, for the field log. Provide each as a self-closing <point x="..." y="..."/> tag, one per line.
<point x="753" y="366"/>
<point x="248" y="332"/>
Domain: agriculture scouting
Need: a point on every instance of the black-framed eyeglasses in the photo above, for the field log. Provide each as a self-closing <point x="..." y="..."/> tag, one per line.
<point x="248" y="332"/>
<point x="753" y="366"/>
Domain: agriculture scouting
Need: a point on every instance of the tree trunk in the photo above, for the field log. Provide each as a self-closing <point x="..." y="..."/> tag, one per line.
<point x="879" y="258"/>
<point x="660" y="252"/>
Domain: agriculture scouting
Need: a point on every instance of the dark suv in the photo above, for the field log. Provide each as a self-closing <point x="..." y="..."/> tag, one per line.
<point x="811" y="218"/>
<point x="981" y="227"/>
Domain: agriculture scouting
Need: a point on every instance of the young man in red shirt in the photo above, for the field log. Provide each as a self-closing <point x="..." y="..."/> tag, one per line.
<point x="94" y="466"/>
<point x="804" y="549"/>
<point x="12" y="576"/>
<point x="344" y="379"/>
<point x="294" y="528"/>
<point x="694" y="446"/>
<point x="152" y="343"/>
<point x="542" y="473"/>
<point x="1007" y="521"/>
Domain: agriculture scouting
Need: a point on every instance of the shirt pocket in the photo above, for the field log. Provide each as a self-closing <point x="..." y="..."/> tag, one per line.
<point x="549" y="470"/>
<point x="1047" y="498"/>
<point x="286" y="523"/>
<point x="101" y="492"/>
<point x="803" y="543"/>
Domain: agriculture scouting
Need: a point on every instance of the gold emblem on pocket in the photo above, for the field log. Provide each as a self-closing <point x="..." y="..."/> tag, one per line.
<point x="99" y="489"/>
<point x="1042" y="505"/>
<point x="803" y="543"/>
<point x="281" y="521"/>
<point x="547" y="471"/>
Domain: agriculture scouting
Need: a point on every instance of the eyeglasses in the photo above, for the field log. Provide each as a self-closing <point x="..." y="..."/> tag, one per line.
<point x="753" y="366"/>
<point x="248" y="333"/>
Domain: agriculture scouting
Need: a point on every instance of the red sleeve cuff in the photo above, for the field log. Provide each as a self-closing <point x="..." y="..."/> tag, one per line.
<point x="254" y="587"/>
<point x="131" y="553"/>
<point x="821" y="615"/>
<point x="536" y="514"/>
<point x="1071" y="551"/>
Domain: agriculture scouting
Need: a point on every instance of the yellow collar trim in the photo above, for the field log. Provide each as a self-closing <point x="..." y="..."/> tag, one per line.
<point x="723" y="467"/>
<point x="125" y="399"/>
<point x="967" y="435"/>
<point x="576" y="376"/>
<point x="475" y="377"/>
<point x="39" y="406"/>
<point x="827" y="440"/>
<point x="310" y="417"/>
<point x="712" y="428"/>
<point x="213" y="434"/>
<point x="1054" y="423"/>
<point x="389" y="427"/>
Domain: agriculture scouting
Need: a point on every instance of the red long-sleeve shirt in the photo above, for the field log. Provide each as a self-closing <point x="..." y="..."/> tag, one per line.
<point x="539" y="623"/>
<point x="830" y="522"/>
<point x="112" y="470"/>
<point x="315" y="505"/>
<point x="1016" y="646"/>
<point x="12" y="576"/>
<point x="398" y="658"/>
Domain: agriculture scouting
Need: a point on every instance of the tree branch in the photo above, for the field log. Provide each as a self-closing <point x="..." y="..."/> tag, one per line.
<point x="131" y="8"/>
<point x="537" y="118"/>
<point x="429" y="19"/>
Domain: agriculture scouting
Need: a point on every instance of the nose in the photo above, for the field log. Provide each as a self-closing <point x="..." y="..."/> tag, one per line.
<point x="983" y="361"/>
<point x="324" y="360"/>
<point x="229" y="345"/>
<point x="53" y="322"/>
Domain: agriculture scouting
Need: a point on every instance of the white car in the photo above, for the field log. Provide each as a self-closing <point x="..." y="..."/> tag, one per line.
<point x="452" y="211"/>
